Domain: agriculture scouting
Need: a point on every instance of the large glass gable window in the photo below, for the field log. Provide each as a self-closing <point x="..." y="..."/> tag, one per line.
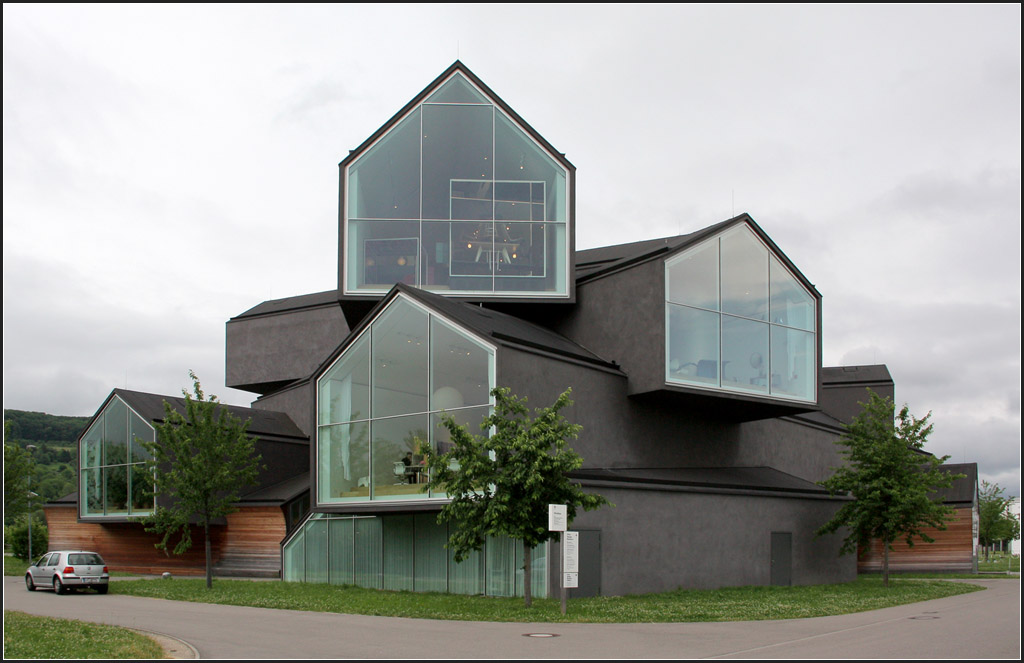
<point x="379" y="405"/>
<point x="112" y="464"/>
<point x="457" y="198"/>
<point x="738" y="320"/>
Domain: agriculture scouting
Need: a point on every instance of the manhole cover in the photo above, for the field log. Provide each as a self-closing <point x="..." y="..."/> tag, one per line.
<point x="541" y="635"/>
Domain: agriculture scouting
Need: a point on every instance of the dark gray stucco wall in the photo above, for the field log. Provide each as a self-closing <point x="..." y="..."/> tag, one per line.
<point x="801" y="449"/>
<point x="620" y="431"/>
<point x="280" y="460"/>
<point x="297" y="401"/>
<point x="657" y="540"/>
<point x="621" y="317"/>
<point x="654" y="541"/>
<point x="281" y="347"/>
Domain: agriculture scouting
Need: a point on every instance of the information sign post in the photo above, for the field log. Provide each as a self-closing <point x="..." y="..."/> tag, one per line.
<point x="558" y="522"/>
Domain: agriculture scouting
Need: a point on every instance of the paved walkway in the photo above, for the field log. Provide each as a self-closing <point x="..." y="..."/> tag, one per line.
<point x="978" y="625"/>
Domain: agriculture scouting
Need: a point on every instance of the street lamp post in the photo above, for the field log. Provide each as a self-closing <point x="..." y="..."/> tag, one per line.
<point x="30" y="448"/>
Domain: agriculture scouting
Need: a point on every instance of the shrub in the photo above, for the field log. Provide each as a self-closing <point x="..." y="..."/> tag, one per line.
<point x="17" y="537"/>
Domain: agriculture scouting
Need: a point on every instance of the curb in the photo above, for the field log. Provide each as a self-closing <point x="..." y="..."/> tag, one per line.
<point x="173" y="647"/>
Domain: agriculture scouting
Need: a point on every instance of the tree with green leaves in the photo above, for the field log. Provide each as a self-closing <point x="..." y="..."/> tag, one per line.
<point x="200" y="462"/>
<point x="502" y="483"/>
<point x="892" y="479"/>
<point x="995" y="520"/>
<point x="18" y="466"/>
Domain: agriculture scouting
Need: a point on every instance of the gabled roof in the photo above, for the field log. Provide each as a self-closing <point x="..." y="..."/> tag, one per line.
<point x="497" y="327"/>
<point x="847" y="375"/>
<point x="263" y="423"/>
<point x="703" y="479"/>
<point x="278" y="493"/>
<point x="594" y="263"/>
<point x="963" y="491"/>
<point x="456" y="66"/>
<point x="272" y="306"/>
<point x="591" y="263"/>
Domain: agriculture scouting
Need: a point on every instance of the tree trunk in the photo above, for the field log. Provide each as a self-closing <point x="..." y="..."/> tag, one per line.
<point x="209" y="556"/>
<point x="885" y="563"/>
<point x="527" y="575"/>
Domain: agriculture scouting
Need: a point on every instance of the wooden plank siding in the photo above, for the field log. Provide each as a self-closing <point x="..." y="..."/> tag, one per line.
<point x="952" y="550"/>
<point x="252" y="542"/>
<point x="255" y="546"/>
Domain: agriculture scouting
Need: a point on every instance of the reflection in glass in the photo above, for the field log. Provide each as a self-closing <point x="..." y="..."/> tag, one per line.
<point x="422" y="365"/>
<point x="115" y="433"/>
<point x="461" y="368"/>
<point x="92" y="444"/>
<point x="791" y="305"/>
<point x="366" y="550"/>
<point x="763" y="340"/>
<point x="398" y="535"/>
<point x="405" y="552"/>
<point x="341" y="568"/>
<point x="316" y="551"/>
<point x="344" y="457"/>
<point x="400" y="360"/>
<point x="744" y="354"/>
<point x="345" y="388"/>
<point x="92" y="492"/>
<point x="114" y="481"/>
<point x="138" y="433"/>
<point x="458" y="161"/>
<point x="382" y="253"/>
<point x="398" y="450"/>
<point x="744" y="275"/>
<point x="431" y="558"/>
<point x="384" y="183"/>
<point x="455" y="91"/>
<point x="457" y="145"/>
<point x="142" y="488"/>
<point x="693" y="351"/>
<point x="793" y="363"/>
<point x="693" y="277"/>
<point x="115" y="484"/>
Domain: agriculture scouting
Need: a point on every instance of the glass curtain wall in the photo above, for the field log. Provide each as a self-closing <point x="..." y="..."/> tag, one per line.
<point x="381" y="404"/>
<point x="112" y="464"/>
<point x="405" y="552"/>
<point x="457" y="198"/>
<point x="738" y="320"/>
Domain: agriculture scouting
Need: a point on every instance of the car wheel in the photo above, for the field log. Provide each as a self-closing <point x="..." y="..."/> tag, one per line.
<point x="102" y="589"/>
<point x="58" y="586"/>
<point x="31" y="586"/>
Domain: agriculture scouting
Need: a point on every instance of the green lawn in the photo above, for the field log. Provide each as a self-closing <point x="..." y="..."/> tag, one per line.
<point x="28" y="636"/>
<point x="730" y="604"/>
<point x="999" y="562"/>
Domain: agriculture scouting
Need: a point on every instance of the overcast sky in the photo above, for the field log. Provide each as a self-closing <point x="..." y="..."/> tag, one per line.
<point x="169" y="167"/>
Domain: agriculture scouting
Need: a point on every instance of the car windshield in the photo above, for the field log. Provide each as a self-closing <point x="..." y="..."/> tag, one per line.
<point x="84" y="558"/>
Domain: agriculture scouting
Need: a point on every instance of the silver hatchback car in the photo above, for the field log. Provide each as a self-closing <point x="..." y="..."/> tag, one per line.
<point x="65" y="570"/>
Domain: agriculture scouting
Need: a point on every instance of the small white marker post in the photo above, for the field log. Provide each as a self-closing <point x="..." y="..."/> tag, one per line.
<point x="557" y="517"/>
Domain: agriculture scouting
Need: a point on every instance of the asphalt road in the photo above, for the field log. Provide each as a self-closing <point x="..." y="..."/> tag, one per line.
<point x="978" y="625"/>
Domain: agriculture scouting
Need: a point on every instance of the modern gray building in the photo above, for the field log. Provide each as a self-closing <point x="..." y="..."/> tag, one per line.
<point x="695" y="365"/>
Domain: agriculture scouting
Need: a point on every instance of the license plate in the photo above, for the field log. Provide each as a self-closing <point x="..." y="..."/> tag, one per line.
<point x="89" y="581"/>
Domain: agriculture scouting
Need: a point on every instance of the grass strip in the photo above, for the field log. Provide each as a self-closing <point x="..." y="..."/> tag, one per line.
<point x="28" y="636"/>
<point x="727" y="604"/>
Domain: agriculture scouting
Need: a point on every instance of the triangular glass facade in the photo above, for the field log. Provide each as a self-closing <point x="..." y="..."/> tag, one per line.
<point x="457" y="198"/>
<point x="738" y="320"/>
<point x="379" y="405"/>
<point x="113" y="480"/>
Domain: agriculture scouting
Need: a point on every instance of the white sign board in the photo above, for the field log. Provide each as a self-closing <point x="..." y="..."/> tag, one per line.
<point x="570" y="580"/>
<point x="572" y="552"/>
<point x="557" y="517"/>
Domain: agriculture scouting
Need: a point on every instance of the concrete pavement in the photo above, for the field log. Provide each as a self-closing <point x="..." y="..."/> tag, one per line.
<point x="978" y="625"/>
